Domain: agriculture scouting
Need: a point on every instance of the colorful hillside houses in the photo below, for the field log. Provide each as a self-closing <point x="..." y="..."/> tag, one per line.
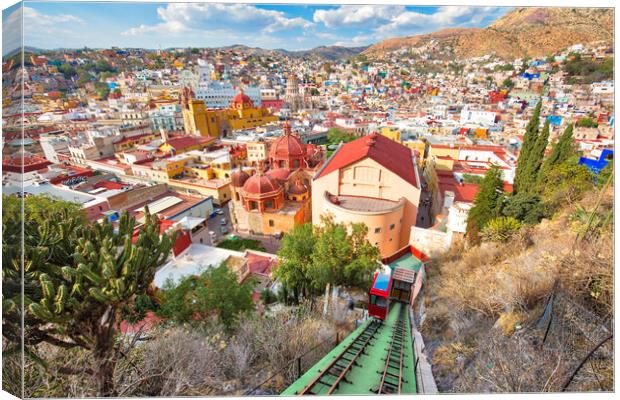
<point x="597" y="165"/>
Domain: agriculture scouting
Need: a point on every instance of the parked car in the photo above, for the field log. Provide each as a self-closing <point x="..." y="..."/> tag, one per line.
<point x="219" y="211"/>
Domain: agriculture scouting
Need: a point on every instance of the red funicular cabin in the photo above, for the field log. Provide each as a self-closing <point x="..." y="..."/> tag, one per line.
<point x="379" y="296"/>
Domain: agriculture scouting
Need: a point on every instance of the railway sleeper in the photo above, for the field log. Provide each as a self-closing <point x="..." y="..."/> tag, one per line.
<point x="396" y="377"/>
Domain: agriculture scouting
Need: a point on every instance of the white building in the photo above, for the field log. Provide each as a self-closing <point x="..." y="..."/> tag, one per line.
<point x="217" y="94"/>
<point x="477" y="117"/>
<point x="52" y="145"/>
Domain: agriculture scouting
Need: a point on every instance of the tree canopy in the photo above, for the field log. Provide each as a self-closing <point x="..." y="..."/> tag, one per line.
<point x="329" y="254"/>
<point x="216" y="292"/>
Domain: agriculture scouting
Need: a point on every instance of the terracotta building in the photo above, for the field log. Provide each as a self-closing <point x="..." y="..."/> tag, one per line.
<point x="274" y="200"/>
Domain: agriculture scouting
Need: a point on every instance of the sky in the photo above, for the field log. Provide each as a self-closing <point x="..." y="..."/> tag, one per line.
<point x="52" y="25"/>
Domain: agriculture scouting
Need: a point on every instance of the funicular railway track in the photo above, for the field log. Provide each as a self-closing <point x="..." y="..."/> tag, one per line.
<point x="331" y="376"/>
<point x="392" y="374"/>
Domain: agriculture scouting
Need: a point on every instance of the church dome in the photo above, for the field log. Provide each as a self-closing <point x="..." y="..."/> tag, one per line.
<point x="297" y="188"/>
<point x="261" y="184"/>
<point x="238" y="178"/>
<point x="242" y="100"/>
<point x="280" y="174"/>
<point x="287" y="146"/>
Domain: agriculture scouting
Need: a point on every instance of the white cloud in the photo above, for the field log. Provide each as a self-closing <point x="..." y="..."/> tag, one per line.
<point x="411" y="22"/>
<point x="357" y="15"/>
<point x="183" y="18"/>
<point x="389" y="21"/>
<point x="38" y="27"/>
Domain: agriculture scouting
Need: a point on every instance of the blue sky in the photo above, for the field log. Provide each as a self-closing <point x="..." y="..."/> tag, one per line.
<point x="293" y="27"/>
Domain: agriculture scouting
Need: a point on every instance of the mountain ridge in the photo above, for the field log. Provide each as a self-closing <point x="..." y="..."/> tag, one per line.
<point x="522" y="32"/>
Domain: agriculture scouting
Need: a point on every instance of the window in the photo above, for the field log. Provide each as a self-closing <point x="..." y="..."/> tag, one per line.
<point x="269" y="204"/>
<point x="377" y="230"/>
<point x="392" y="227"/>
<point x="253" y="205"/>
<point x="378" y="301"/>
<point x="271" y="223"/>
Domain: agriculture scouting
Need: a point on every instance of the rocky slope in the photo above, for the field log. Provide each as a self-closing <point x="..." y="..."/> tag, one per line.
<point x="521" y="32"/>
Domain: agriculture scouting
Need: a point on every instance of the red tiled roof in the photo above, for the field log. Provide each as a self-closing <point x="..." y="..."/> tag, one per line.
<point x="390" y="154"/>
<point x="259" y="264"/>
<point x="110" y="185"/>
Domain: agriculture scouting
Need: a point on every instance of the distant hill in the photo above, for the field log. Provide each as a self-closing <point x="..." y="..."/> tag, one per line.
<point x="521" y="32"/>
<point x="329" y="52"/>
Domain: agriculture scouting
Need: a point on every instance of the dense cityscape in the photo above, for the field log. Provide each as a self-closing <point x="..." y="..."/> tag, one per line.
<point x="397" y="218"/>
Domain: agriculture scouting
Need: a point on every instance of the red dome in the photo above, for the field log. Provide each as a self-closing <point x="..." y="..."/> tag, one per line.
<point x="287" y="146"/>
<point x="280" y="174"/>
<point x="238" y="178"/>
<point x="242" y="99"/>
<point x="260" y="184"/>
<point x="297" y="188"/>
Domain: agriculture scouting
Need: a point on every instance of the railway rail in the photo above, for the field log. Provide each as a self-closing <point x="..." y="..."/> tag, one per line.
<point x="392" y="374"/>
<point x="337" y="370"/>
<point x="376" y="359"/>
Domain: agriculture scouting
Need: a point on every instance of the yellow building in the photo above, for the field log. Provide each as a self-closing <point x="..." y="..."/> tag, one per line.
<point x="371" y="180"/>
<point x="417" y="145"/>
<point x="391" y="132"/>
<point x="198" y="120"/>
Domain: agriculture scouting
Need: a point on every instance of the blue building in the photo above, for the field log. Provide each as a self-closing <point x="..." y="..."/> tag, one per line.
<point x="555" y="120"/>
<point x="596" y="166"/>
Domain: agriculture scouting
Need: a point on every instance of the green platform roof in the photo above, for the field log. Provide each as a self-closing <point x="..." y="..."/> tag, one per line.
<point x="408" y="261"/>
<point x="366" y="377"/>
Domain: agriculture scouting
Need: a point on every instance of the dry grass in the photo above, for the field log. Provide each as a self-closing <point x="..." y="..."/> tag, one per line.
<point x="472" y="291"/>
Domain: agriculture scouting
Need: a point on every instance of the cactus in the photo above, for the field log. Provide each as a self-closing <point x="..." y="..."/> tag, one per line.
<point x="77" y="276"/>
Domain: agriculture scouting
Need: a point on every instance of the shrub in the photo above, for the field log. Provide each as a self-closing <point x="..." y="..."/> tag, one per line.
<point x="500" y="229"/>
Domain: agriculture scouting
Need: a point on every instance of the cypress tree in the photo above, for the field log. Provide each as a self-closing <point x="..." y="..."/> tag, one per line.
<point x="487" y="204"/>
<point x="535" y="160"/>
<point x="562" y="150"/>
<point x="529" y="141"/>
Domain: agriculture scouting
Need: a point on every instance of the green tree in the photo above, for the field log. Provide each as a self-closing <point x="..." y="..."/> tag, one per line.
<point x="525" y="207"/>
<point x="529" y="142"/>
<point x="215" y="292"/>
<point x="562" y="150"/>
<point x="295" y="257"/>
<point x="487" y="203"/>
<point x="566" y="182"/>
<point x="342" y="256"/>
<point x="67" y="70"/>
<point x="508" y="83"/>
<point x="586" y="122"/>
<point x="78" y="277"/>
<point x="336" y="136"/>
<point x="530" y="174"/>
